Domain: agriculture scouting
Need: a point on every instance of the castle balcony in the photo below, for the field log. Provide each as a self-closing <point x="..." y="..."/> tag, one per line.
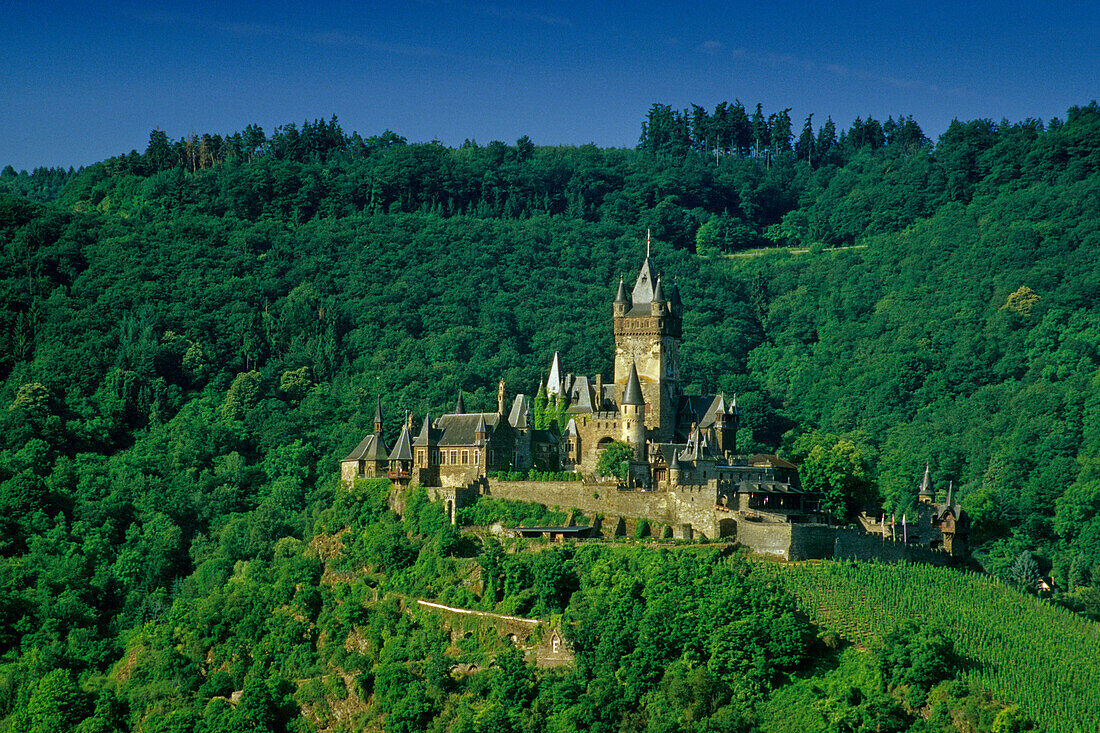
<point x="398" y="474"/>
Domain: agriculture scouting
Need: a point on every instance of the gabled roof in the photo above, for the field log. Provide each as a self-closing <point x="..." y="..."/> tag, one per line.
<point x="402" y="451"/>
<point x="632" y="394"/>
<point x="761" y="460"/>
<point x="459" y="430"/>
<point x="570" y="429"/>
<point x="370" y="449"/>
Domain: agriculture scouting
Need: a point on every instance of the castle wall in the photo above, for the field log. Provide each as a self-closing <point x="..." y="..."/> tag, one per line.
<point x="651" y="505"/>
<point x="694" y="505"/>
<point x="765" y="538"/>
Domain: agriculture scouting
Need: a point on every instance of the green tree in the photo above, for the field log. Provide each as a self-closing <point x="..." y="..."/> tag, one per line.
<point x="614" y="458"/>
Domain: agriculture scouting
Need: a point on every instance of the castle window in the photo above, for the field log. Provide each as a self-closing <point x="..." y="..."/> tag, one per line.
<point x="477" y="457"/>
<point x="454" y="458"/>
<point x="492" y="457"/>
<point x="465" y="458"/>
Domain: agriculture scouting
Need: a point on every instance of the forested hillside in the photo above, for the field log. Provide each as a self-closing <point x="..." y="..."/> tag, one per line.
<point x="193" y="335"/>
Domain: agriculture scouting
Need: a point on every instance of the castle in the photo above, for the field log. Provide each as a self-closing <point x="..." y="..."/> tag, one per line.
<point x="685" y="472"/>
<point x="685" y="446"/>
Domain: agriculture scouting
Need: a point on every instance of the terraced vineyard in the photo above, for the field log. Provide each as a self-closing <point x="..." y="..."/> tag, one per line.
<point x="1021" y="648"/>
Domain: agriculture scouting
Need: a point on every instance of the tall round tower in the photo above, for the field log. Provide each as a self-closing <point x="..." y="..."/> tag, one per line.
<point x="632" y="410"/>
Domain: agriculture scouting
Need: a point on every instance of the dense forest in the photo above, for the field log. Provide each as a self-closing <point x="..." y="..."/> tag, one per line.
<point x="194" y="334"/>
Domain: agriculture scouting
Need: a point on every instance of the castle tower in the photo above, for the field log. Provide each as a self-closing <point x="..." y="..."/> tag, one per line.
<point x="725" y="426"/>
<point x="378" y="417"/>
<point x="647" y="331"/>
<point x="926" y="495"/>
<point x="632" y="410"/>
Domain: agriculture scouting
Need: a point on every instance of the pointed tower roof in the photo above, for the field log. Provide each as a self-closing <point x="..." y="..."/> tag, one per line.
<point x="951" y="496"/>
<point x="481" y="428"/>
<point x="647" y="279"/>
<point x="553" y="383"/>
<point x="517" y="417"/>
<point x="426" y="437"/>
<point x="632" y="395"/>
<point x="621" y="296"/>
<point x="402" y="450"/>
<point x="659" y="293"/>
<point x="460" y="406"/>
<point x="926" y="482"/>
<point x="378" y="412"/>
<point x="733" y="405"/>
<point x="674" y="299"/>
<point x="675" y="463"/>
<point x="720" y="408"/>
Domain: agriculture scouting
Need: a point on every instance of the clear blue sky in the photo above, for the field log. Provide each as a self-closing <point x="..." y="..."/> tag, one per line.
<point x="80" y="82"/>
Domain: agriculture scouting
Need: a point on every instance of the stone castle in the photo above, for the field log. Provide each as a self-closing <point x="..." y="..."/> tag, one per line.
<point x="685" y="472"/>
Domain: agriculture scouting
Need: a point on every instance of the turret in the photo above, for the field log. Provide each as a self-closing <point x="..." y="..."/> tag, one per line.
<point x="481" y="431"/>
<point x="378" y="417"/>
<point x="460" y="406"/>
<point x="659" y="305"/>
<point x="926" y="495"/>
<point x="622" y="300"/>
<point x="674" y="468"/>
<point x="632" y="410"/>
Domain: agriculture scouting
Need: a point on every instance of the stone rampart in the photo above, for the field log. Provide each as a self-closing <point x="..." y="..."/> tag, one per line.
<point x="591" y="499"/>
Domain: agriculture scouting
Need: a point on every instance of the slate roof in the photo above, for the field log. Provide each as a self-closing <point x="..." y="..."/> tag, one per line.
<point x="402" y="451"/>
<point x="455" y="430"/>
<point x="554" y="381"/>
<point x="642" y="295"/>
<point x="372" y="448"/>
<point x="621" y="296"/>
<point x="698" y="409"/>
<point x="768" y="487"/>
<point x="517" y="418"/>
<point x="580" y="396"/>
<point x="770" y="460"/>
<point x="632" y="395"/>
<point x="428" y="435"/>
<point x="544" y="436"/>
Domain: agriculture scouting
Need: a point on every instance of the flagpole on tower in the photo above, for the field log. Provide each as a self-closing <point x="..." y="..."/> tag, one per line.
<point x="647" y="236"/>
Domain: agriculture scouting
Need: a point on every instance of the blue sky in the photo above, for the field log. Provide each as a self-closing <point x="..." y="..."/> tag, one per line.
<point x="80" y="82"/>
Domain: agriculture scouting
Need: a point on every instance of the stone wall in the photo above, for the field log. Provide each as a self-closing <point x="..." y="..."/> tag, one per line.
<point x="592" y="499"/>
<point x="694" y="506"/>
<point x="795" y="542"/>
<point x="765" y="539"/>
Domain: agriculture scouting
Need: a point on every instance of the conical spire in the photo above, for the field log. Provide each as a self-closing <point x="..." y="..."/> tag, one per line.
<point x="553" y="383"/>
<point x="659" y="293"/>
<point x="632" y="395"/>
<point x="460" y="406"/>
<point x="481" y="432"/>
<point x="674" y="299"/>
<point x="926" y="482"/>
<point x="378" y="417"/>
<point x="647" y="280"/>
<point x="621" y="296"/>
<point x="951" y="496"/>
<point x="425" y="432"/>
